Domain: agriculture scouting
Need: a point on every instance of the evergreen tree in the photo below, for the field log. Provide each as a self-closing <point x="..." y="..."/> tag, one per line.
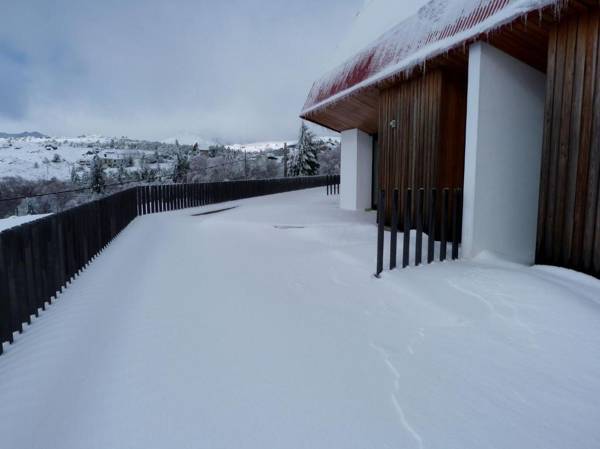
<point x="97" y="178"/>
<point x="122" y="174"/>
<point x="306" y="160"/>
<point x="181" y="168"/>
<point x="74" y="176"/>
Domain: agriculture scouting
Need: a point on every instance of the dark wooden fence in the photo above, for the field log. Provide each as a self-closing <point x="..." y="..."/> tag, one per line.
<point x="333" y="185"/>
<point x="39" y="259"/>
<point x="423" y="211"/>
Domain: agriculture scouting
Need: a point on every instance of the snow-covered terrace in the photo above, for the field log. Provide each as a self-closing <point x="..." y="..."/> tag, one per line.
<point x="263" y="327"/>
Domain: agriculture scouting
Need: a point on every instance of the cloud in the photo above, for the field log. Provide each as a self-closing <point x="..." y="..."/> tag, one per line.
<point x="13" y="84"/>
<point x="232" y="70"/>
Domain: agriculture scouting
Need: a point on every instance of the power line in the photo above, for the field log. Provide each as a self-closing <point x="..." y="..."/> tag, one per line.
<point x="83" y="189"/>
<point x="60" y="192"/>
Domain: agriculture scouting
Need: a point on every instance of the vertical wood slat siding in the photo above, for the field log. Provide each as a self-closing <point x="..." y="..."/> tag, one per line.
<point x="569" y="212"/>
<point x="426" y="147"/>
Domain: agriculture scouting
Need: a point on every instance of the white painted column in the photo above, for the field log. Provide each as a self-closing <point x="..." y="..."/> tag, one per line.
<point x="505" y="113"/>
<point x="356" y="170"/>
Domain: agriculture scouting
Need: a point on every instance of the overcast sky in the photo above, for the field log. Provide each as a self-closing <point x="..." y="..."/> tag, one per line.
<point x="234" y="70"/>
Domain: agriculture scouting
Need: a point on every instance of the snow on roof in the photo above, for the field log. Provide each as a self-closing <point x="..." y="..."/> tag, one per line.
<point x="373" y="19"/>
<point x="437" y="27"/>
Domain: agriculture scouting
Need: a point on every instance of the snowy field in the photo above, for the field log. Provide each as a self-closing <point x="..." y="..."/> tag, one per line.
<point x="32" y="158"/>
<point x="263" y="327"/>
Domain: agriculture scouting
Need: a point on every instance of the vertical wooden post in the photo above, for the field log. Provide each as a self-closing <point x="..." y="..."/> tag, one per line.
<point x="380" y="232"/>
<point x="444" y="225"/>
<point x="407" y="226"/>
<point x="14" y="294"/>
<point x="5" y="324"/>
<point x="456" y="222"/>
<point x="431" y="225"/>
<point x="419" y="225"/>
<point x="394" y="230"/>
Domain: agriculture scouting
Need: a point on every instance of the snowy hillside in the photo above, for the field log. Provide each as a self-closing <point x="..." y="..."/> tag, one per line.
<point x="190" y="139"/>
<point x="277" y="145"/>
<point x="46" y="158"/>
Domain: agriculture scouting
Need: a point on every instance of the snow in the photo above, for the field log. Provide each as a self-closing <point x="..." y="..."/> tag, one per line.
<point x="374" y="18"/>
<point x="437" y="27"/>
<point x="277" y="145"/>
<point x="262" y="326"/>
<point x="262" y="146"/>
<point x="189" y="138"/>
<point x="18" y="157"/>
<point x="11" y="222"/>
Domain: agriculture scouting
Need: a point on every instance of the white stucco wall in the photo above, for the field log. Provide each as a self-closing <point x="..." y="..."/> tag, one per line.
<point x="505" y="111"/>
<point x="356" y="170"/>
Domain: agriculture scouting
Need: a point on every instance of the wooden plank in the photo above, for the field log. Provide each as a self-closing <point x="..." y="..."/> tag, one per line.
<point x="406" y="228"/>
<point x="394" y="229"/>
<point x="5" y="324"/>
<point x="380" y="232"/>
<point x="550" y="235"/>
<point x="431" y="225"/>
<point x="547" y="147"/>
<point x="590" y="235"/>
<point x="419" y="226"/>
<point x="558" y="255"/>
<point x="444" y="224"/>
<point x="579" y="64"/>
<point x="588" y="85"/>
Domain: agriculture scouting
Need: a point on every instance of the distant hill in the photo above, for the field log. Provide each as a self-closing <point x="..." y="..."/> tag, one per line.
<point x="33" y="134"/>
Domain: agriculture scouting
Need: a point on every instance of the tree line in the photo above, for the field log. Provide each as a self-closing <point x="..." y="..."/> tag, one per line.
<point x="189" y="165"/>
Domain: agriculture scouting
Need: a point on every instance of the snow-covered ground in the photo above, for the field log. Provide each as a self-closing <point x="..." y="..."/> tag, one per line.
<point x="263" y="327"/>
<point x="277" y="145"/>
<point x="11" y="222"/>
<point x="33" y="158"/>
<point x="192" y="138"/>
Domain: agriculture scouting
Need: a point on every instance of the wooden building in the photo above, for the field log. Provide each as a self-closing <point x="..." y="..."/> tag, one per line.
<point x="498" y="97"/>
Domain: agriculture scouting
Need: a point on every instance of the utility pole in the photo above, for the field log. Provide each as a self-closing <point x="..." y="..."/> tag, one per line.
<point x="245" y="166"/>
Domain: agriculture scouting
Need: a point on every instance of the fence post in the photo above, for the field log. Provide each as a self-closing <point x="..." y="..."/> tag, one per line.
<point x="419" y="225"/>
<point x="14" y="295"/>
<point x="456" y="222"/>
<point x="444" y="225"/>
<point x="431" y="226"/>
<point x="407" y="226"/>
<point x="394" y="230"/>
<point x="5" y="324"/>
<point x="380" y="232"/>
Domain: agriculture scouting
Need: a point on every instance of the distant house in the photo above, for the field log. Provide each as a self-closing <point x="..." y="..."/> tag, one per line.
<point x="498" y="97"/>
<point x="111" y="159"/>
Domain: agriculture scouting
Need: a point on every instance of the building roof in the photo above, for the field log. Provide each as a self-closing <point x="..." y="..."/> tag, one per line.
<point x="438" y="27"/>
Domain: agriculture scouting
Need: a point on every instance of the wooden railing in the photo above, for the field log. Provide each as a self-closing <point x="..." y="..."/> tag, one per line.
<point x="333" y="185"/>
<point x="440" y="219"/>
